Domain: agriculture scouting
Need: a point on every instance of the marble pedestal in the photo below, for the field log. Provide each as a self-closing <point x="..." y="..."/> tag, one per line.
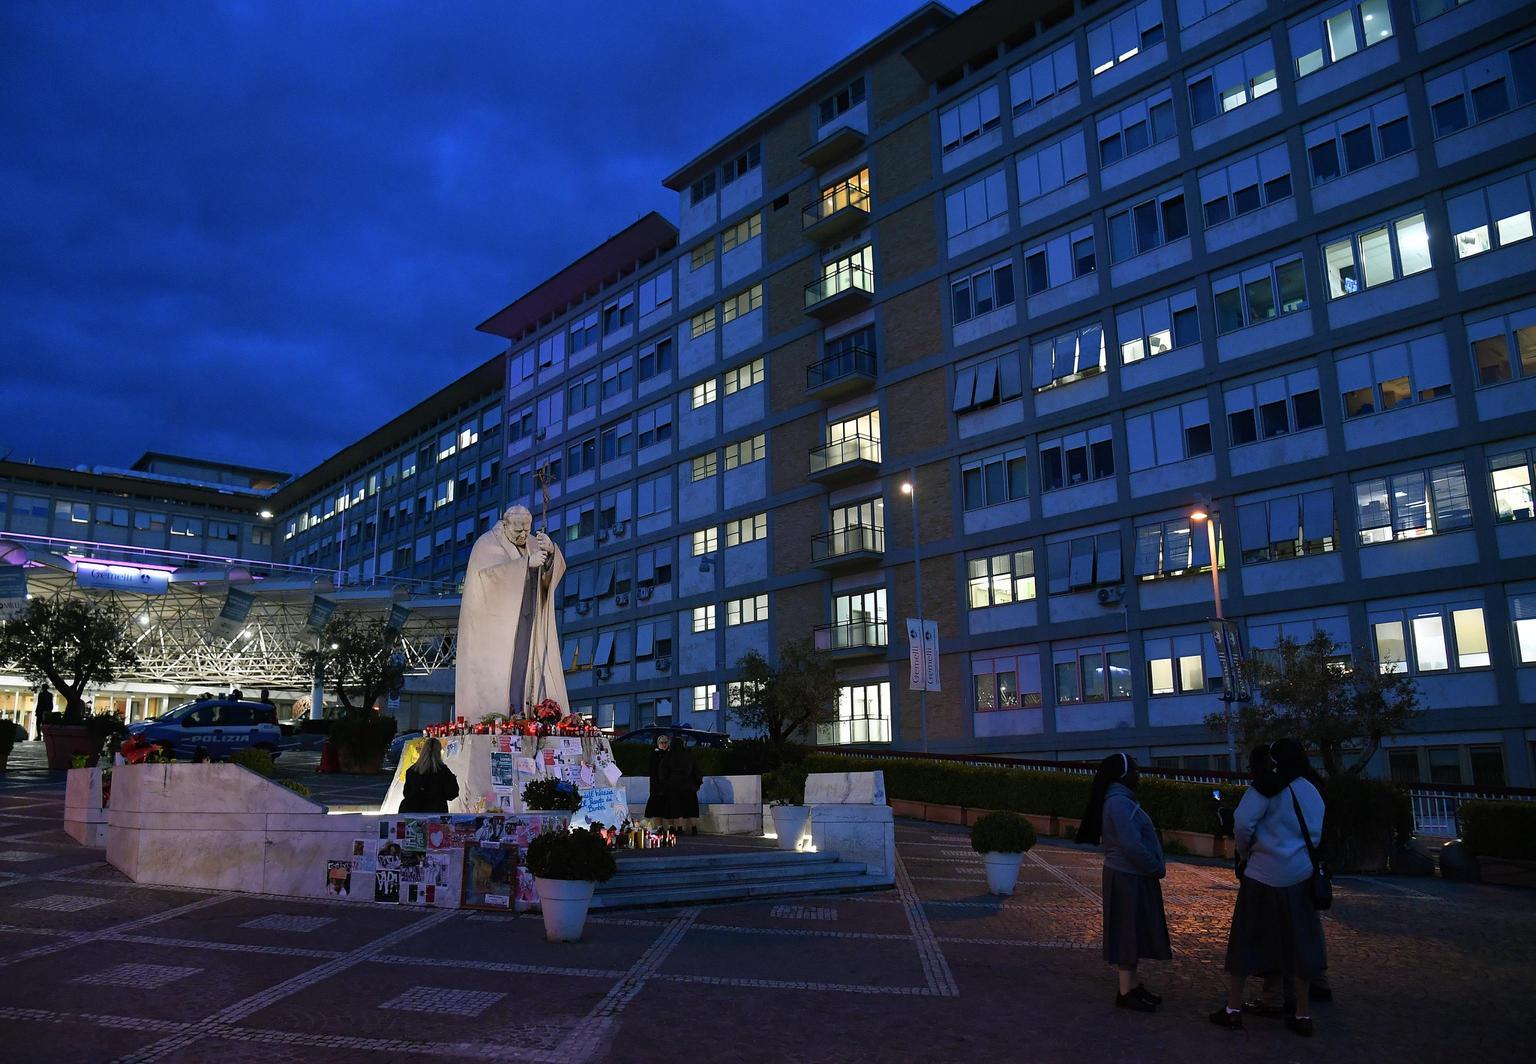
<point x="728" y="805"/>
<point x="85" y="820"/>
<point x="849" y="816"/>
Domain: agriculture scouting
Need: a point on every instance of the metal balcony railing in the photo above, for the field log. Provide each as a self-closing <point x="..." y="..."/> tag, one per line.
<point x="841" y="196"/>
<point x="840" y="452"/>
<point x="849" y="363"/>
<point x="847" y="277"/>
<point x="850" y="539"/>
<point x="852" y="635"/>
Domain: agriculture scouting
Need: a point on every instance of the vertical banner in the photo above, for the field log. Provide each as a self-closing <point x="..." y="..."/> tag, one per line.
<point x="398" y="615"/>
<point x="1236" y="685"/>
<point x="320" y="612"/>
<point x="931" y="655"/>
<point x="13" y="591"/>
<point x="915" y="671"/>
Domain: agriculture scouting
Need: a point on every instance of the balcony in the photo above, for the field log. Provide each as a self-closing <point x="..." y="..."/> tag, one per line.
<point x="843" y="291"/>
<point x="844" y="142"/>
<point x="846" y="460"/>
<point x="842" y="209"/>
<point x="848" y="547"/>
<point x="848" y="372"/>
<point x="852" y="639"/>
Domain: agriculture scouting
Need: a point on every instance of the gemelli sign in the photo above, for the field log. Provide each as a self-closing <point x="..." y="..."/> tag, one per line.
<point x="101" y="577"/>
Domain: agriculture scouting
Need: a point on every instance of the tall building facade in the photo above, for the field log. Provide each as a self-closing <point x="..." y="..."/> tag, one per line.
<point x="1071" y="272"/>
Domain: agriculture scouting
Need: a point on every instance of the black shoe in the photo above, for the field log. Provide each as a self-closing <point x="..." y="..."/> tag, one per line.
<point x="1318" y="992"/>
<point x="1232" y="1021"/>
<point x="1147" y="995"/>
<point x="1302" y="1025"/>
<point x="1260" y="1008"/>
<point x="1135" y="1002"/>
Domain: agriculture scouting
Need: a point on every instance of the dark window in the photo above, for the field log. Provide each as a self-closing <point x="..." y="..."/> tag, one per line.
<point x="1487" y="766"/>
<point x="1308" y="410"/>
<point x="1145" y="215"/>
<point x="1083" y="257"/>
<point x="1153" y="35"/>
<point x="1522" y="61"/>
<point x="1175" y="225"/>
<point x="1490" y="99"/>
<point x="1274" y="418"/>
<point x="1121" y="246"/>
<point x="1261" y="299"/>
<point x="1077" y="465"/>
<point x="1202" y="100"/>
<point x="1242" y="427"/>
<point x="1277" y="188"/>
<point x="1217" y="211"/>
<point x="1246" y="199"/>
<point x="1002" y="279"/>
<point x="1050" y="469"/>
<point x="1111" y="150"/>
<point x="1186" y="326"/>
<point x="1103" y="459"/>
<point x="1229" y="310"/>
<point x="1403" y="765"/>
<point x="1162" y="121"/>
<point x="1293" y="286"/>
<point x="962" y="301"/>
<point x="1325" y="161"/>
<point x="1359" y="150"/>
<point x="1450" y="115"/>
<point x="1395" y="138"/>
<point x="1197" y="440"/>
<point x="1035" y="279"/>
<point x="1137" y="137"/>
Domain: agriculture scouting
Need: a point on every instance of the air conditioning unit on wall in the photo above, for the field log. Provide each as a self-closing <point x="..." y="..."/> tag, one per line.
<point x="1111" y="596"/>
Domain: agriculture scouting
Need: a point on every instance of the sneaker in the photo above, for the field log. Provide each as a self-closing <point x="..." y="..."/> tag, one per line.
<point x="1135" y="1002"/>
<point x="1261" y="1008"/>
<point x="1232" y="1021"/>
<point x="1302" y="1025"/>
<point x="1147" y="995"/>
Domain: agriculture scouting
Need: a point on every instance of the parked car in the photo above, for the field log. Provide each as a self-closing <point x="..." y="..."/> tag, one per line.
<point x="397" y="745"/>
<point x="218" y="725"/>
<point x="687" y="736"/>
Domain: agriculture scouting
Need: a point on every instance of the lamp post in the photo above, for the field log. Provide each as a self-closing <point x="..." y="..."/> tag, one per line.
<point x="1201" y="515"/>
<point x="909" y="489"/>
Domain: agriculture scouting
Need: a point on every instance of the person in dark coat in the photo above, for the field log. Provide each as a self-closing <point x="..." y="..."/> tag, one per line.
<point x="675" y="782"/>
<point x="429" y="784"/>
<point x="1135" y="924"/>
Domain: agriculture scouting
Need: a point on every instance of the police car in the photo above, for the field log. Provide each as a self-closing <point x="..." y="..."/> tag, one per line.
<point x="217" y="725"/>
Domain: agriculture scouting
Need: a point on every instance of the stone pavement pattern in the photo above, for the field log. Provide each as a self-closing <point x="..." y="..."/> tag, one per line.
<point x="99" y="969"/>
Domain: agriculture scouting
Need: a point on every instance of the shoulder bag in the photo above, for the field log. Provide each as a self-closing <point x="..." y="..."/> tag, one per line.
<point x="1322" y="879"/>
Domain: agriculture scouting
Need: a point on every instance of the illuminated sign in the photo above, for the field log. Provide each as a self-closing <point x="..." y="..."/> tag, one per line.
<point x="102" y="577"/>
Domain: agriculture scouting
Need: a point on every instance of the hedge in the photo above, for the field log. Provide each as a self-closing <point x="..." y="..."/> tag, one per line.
<point x="1500" y="829"/>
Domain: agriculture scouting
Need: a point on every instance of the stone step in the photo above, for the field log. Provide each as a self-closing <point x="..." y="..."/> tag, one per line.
<point x="637" y="878"/>
<point x="846" y="879"/>
<point x="733" y="859"/>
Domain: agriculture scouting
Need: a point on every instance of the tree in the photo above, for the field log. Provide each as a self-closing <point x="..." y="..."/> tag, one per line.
<point x="796" y="695"/>
<point x="1312" y="692"/>
<point x="70" y="644"/>
<point x="359" y="656"/>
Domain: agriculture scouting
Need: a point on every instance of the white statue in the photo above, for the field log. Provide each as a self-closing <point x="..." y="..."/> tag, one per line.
<point x="508" y="646"/>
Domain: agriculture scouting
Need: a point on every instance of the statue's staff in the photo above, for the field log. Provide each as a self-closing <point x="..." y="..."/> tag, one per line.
<point x="536" y="642"/>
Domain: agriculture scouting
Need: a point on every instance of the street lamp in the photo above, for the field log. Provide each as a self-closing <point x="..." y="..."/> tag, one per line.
<point x="908" y="488"/>
<point x="1201" y="515"/>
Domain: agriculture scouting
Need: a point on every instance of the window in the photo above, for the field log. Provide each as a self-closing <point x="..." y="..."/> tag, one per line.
<point x="1522" y="612"/>
<point x="1092" y="673"/>
<point x="1177" y="665"/>
<point x="741" y="303"/>
<point x="702" y="255"/>
<point x="840" y="275"/>
<point x="520" y="366"/>
<point x="702" y="323"/>
<point x="741" y="232"/>
<point x="1141" y="227"/>
<point x="986" y="382"/>
<point x="655" y="495"/>
<point x="703" y="619"/>
<point x="580" y="521"/>
<point x="968" y="119"/>
<point x="1159" y="326"/>
<point x="976" y="203"/>
<point x="1169" y="435"/>
<point x="1059" y="260"/>
<point x="1426" y="639"/>
<point x="617" y="440"/>
<point x="1400" y="375"/>
<point x="1264" y="637"/>
<point x="78" y="513"/>
<point x="746" y="530"/>
<point x="995" y="479"/>
<point x="1368" y="136"/>
<point x="1376" y="255"/>
<point x="1483" y="89"/>
<point x="654" y="424"/>
<point x="1000" y="579"/>
<point x="117" y="517"/>
<point x="1134" y="129"/>
<point x="1290" y="526"/>
<point x="583" y="332"/>
<point x="520" y="425"/>
<point x="1084" y="561"/>
<point x="863" y="715"/>
<point x="655" y="566"/>
<point x="701" y="190"/>
<point x="1077" y="459"/>
<point x="1244" y="186"/>
<point x="1274" y="407"/>
<point x="1339" y="33"/>
<point x="1069" y="357"/>
<point x="581" y="456"/>
<point x="446" y="492"/>
<point x="1510" y="476"/>
<point x="1005" y="681"/>
<point x="703" y="466"/>
<point x="986" y="290"/>
<point x="618" y="376"/>
<point x="841" y="101"/>
<point x="859" y="527"/>
<point x="741" y="378"/>
<point x="1124" y="35"/>
<point x="748" y="610"/>
<point x="1232" y="82"/>
<point x="1504" y="348"/>
<point x="703" y="394"/>
<point x="655" y="292"/>
<point x="581" y="394"/>
<point x="1258" y="294"/>
<point x="1031" y="85"/>
<point x="1193" y="11"/>
<point x="1420" y="502"/>
<point x="1423" y="11"/>
<point x="656" y="359"/>
<point x="744" y="452"/>
<point x="1177" y="547"/>
<point x="619" y="314"/>
<point x="740" y="166"/>
<point x="1493" y="216"/>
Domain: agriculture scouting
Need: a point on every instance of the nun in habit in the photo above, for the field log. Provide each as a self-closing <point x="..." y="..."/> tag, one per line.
<point x="508" y="655"/>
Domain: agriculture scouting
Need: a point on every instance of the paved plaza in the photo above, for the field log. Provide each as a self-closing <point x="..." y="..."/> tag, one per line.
<point x="98" y="969"/>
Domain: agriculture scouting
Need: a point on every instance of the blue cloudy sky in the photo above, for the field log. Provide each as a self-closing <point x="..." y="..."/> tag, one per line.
<point x="255" y="231"/>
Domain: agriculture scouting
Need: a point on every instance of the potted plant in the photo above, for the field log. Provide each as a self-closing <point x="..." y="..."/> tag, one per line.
<point x="784" y="791"/>
<point x="361" y="737"/>
<point x="548" y="795"/>
<point x="567" y="866"/>
<point x="1002" y="839"/>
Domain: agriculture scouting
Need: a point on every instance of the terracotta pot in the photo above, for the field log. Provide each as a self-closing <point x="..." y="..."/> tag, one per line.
<point x="1043" y="825"/>
<point x="360" y="764"/>
<point x="64" y="741"/>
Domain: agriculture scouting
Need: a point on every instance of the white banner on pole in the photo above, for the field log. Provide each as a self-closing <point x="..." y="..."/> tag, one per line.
<point x="915" y="670"/>
<point x="931" y="655"/>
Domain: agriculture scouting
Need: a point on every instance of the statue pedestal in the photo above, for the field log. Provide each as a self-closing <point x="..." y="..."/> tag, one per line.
<point x="492" y="771"/>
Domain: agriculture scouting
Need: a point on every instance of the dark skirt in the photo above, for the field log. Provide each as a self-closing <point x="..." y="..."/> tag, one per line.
<point x="1275" y="931"/>
<point x="1135" y="926"/>
<point x="672" y="803"/>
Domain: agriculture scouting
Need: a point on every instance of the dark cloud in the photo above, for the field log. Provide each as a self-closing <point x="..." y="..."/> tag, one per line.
<point x="257" y="230"/>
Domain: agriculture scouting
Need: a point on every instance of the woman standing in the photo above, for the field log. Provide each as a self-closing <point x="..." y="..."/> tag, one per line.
<point x="1135" y="925"/>
<point x="1275" y="928"/>
<point x="429" y="784"/>
<point x="675" y="781"/>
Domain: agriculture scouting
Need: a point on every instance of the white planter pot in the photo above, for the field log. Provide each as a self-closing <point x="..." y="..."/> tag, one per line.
<point x="563" y="903"/>
<point x="1002" y="871"/>
<point x="789" y="824"/>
